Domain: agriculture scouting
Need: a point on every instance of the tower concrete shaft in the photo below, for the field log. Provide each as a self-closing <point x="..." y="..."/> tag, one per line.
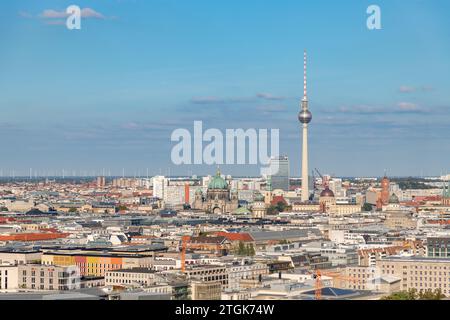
<point x="305" y="177"/>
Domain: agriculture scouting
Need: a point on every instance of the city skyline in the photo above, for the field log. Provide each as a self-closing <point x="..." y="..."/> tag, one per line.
<point x="110" y="94"/>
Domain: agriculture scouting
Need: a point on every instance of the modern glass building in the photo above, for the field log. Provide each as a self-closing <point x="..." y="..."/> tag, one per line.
<point x="438" y="247"/>
<point x="280" y="180"/>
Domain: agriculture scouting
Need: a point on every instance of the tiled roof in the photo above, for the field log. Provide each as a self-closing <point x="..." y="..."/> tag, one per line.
<point x="232" y="236"/>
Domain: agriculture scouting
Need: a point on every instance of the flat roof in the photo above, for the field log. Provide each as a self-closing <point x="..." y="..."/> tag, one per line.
<point x="134" y="270"/>
<point x="417" y="258"/>
<point x="96" y="254"/>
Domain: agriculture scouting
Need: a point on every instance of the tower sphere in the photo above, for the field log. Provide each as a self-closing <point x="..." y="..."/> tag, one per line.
<point x="304" y="116"/>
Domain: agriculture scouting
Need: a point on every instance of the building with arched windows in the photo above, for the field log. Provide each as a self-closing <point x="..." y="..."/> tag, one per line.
<point x="219" y="198"/>
<point x="446" y="195"/>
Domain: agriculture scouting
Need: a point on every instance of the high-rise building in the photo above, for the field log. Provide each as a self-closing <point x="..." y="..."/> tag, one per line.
<point x="385" y="183"/>
<point x="101" y="182"/>
<point x="159" y="184"/>
<point x="305" y="118"/>
<point x="280" y="180"/>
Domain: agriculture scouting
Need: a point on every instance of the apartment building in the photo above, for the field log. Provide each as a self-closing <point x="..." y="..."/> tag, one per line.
<point x="208" y="274"/>
<point x="206" y="290"/>
<point x="238" y="273"/>
<point x="96" y="263"/>
<point x="135" y="277"/>
<point x="48" y="277"/>
<point x="15" y="257"/>
<point x="368" y="278"/>
<point x="369" y="257"/>
<point x="418" y="273"/>
<point x="8" y="277"/>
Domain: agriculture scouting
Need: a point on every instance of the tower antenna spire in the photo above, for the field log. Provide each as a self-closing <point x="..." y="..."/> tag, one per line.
<point x="305" y="93"/>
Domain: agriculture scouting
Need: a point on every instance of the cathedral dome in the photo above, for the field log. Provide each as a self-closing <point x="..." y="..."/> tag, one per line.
<point x="259" y="197"/>
<point x="327" y="193"/>
<point x="393" y="199"/>
<point x="218" y="183"/>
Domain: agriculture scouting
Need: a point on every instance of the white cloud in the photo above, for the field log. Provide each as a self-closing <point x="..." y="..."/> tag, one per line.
<point x="401" y="107"/>
<point x="91" y="13"/>
<point x="407" y="89"/>
<point x="410" y="89"/>
<point x="85" y="13"/>
<point x="407" y="106"/>
<point x="268" y="96"/>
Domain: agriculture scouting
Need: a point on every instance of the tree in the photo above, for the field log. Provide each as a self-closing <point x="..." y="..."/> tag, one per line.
<point x="73" y="210"/>
<point x="241" y="249"/>
<point x="250" y="250"/>
<point x="431" y="295"/>
<point x="412" y="294"/>
<point x="272" y="210"/>
<point x="122" y="208"/>
<point x="3" y="209"/>
<point x="402" y="295"/>
<point x="367" y="207"/>
<point x="281" y="206"/>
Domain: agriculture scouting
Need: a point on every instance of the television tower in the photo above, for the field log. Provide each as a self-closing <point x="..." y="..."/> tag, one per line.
<point x="305" y="117"/>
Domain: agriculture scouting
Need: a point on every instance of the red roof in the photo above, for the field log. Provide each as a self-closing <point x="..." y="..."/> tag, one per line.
<point x="444" y="221"/>
<point x="233" y="236"/>
<point x="426" y="198"/>
<point x="33" y="236"/>
<point x="6" y="219"/>
<point x="277" y="199"/>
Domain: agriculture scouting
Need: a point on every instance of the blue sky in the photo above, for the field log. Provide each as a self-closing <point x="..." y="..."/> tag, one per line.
<point x="109" y="95"/>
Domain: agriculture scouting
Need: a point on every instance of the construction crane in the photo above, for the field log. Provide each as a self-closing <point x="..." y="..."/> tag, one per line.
<point x="184" y="244"/>
<point x="442" y="221"/>
<point x="324" y="181"/>
<point x="318" y="281"/>
<point x="311" y="196"/>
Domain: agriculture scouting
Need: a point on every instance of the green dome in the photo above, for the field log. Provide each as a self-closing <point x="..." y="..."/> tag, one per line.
<point x="258" y="197"/>
<point x="242" y="210"/>
<point x="393" y="199"/>
<point x="218" y="183"/>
